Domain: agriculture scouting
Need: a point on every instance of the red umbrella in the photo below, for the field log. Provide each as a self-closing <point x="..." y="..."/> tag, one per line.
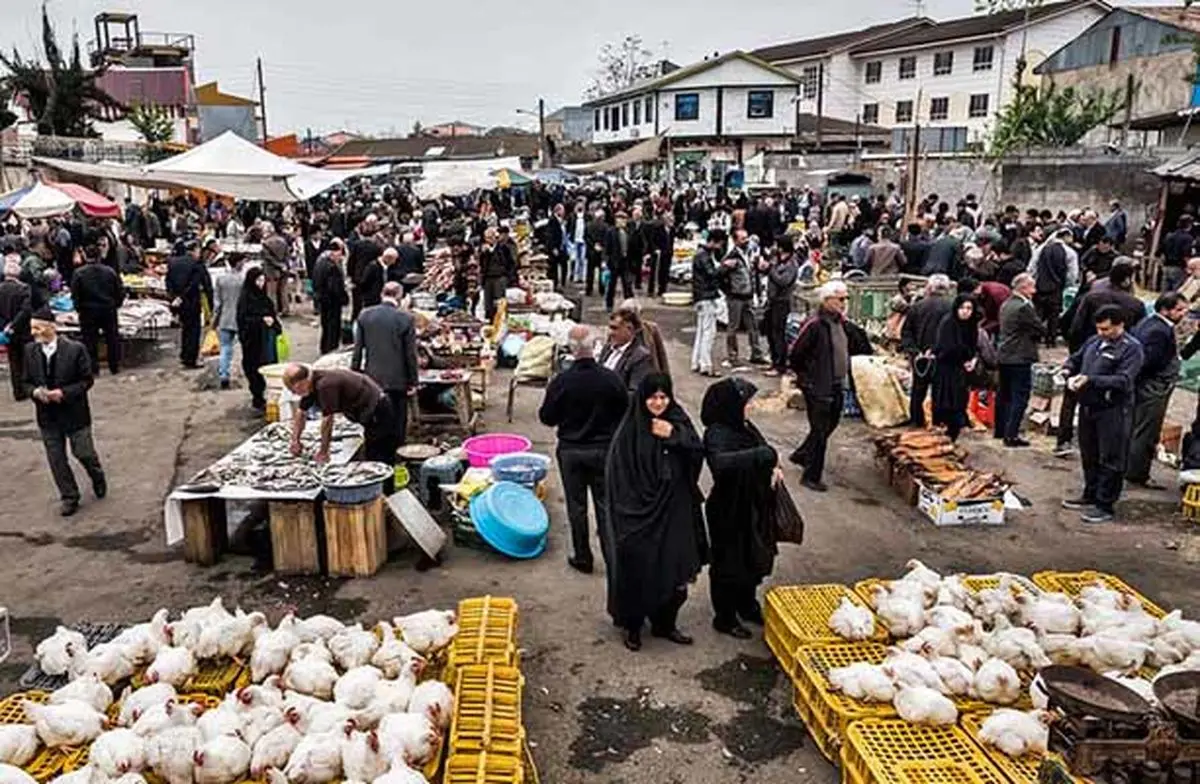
<point x="90" y="202"/>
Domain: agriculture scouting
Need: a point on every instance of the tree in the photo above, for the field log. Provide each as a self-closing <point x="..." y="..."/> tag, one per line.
<point x="996" y="6"/>
<point x="154" y="123"/>
<point x="417" y="129"/>
<point x="621" y="65"/>
<point x="7" y="118"/>
<point x="62" y="95"/>
<point x="1050" y="117"/>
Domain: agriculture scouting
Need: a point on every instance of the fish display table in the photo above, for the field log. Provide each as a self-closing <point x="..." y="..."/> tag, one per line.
<point x="462" y="418"/>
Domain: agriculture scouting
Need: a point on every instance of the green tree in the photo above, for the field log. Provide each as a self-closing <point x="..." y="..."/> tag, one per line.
<point x="621" y="65"/>
<point x="152" y="122"/>
<point x="61" y="94"/>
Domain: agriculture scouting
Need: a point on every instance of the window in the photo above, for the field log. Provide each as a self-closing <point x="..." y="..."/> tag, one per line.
<point x="1114" y="47"/>
<point x="624" y="115"/>
<point x="979" y="105"/>
<point x="983" y="58"/>
<point x="904" y="111"/>
<point x="808" y="81"/>
<point x="939" y="108"/>
<point x="616" y="118"/>
<point x="943" y="63"/>
<point x="908" y="67"/>
<point x="649" y="108"/>
<point x="687" y="106"/>
<point x="760" y="104"/>
<point x="874" y="72"/>
<point x="596" y="121"/>
<point x="637" y="112"/>
<point x="607" y="118"/>
<point x="870" y="113"/>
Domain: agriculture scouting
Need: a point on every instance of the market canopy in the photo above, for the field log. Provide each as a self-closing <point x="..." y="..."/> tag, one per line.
<point x="511" y="178"/>
<point x="642" y="152"/>
<point x="44" y="200"/>
<point x="228" y="165"/>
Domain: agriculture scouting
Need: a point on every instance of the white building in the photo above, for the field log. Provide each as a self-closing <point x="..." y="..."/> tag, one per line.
<point x="951" y="76"/>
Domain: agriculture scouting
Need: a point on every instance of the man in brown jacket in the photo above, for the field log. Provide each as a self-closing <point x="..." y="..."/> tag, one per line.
<point x="885" y="257"/>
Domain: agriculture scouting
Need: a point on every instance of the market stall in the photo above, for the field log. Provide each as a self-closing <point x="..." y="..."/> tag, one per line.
<point x="46" y="200"/>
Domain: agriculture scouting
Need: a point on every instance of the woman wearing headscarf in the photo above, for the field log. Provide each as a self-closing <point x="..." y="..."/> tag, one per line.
<point x="956" y="352"/>
<point x="656" y="527"/>
<point x="744" y="469"/>
<point x="257" y="326"/>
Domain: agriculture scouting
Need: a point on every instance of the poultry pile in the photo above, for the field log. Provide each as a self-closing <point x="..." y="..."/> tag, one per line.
<point x="327" y="701"/>
<point x="933" y="458"/>
<point x="957" y="643"/>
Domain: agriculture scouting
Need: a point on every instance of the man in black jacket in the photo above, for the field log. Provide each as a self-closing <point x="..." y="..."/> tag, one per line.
<point x="1152" y="393"/>
<point x="622" y="255"/>
<point x="916" y="249"/>
<point x="554" y="242"/>
<point x="596" y="231"/>
<point x="706" y="290"/>
<point x="1052" y="271"/>
<point x="363" y="248"/>
<point x="329" y="294"/>
<point x="187" y="281"/>
<point x="917" y="338"/>
<point x="388" y="337"/>
<point x="660" y="247"/>
<point x="410" y="261"/>
<point x="58" y="375"/>
<point x="1017" y="352"/>
<point x="1177" y="248"/>
<point x="371" y="278"/>
<point x="585" y="403"/>
<point x="15" y="310"/>
<point x="97" y="293"/>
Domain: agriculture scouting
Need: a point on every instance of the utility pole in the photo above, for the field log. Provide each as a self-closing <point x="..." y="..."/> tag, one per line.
<point x="914" y="164"/>
<point x="820" y="100"/>
<point x="542" y="163"/>
<point x="1128" y="110"/>
<point x="262" y="101"/>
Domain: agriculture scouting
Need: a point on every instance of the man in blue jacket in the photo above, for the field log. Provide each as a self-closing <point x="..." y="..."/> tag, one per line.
<point x="1160" y="371"/>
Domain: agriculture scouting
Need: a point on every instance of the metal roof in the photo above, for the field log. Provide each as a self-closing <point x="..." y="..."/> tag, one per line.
<point x="1185" y="167"/>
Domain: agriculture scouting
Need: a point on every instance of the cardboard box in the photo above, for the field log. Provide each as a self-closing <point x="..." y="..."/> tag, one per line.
<point x="982" y="511"/>
<point x="905" y="485"/>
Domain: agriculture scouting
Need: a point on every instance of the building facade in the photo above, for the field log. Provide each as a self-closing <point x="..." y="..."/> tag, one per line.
<point x="219" y="112"/>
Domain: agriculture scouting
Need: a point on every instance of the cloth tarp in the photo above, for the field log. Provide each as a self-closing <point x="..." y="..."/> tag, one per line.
<point x="458" y="178"/>
<point x="642" y="152"/>
<point x="41" y="200"/>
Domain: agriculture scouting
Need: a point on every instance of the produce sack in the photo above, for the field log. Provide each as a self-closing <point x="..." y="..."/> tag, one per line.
<point x="283" y="347"/>
<point x="211" y="346"/>
<point x="785" y="517"/>
<point x="536" y="359"/>
<point x="880" y="397"/>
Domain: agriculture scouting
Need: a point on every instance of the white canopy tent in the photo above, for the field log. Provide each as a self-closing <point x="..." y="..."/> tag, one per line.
<point x="458" y="178"/>
<point x="228" y="165"/>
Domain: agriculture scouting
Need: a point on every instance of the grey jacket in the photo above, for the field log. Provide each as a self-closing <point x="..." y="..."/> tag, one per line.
<point x="227" y="288"/>
<point x="737" y="281"/>
<point x="1020" y="331"/>
<point x="388" y="336"/>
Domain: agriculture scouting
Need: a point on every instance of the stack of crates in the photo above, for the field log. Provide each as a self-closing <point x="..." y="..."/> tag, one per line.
<point x="487" y="733"/>
<point x="797" y="615"/>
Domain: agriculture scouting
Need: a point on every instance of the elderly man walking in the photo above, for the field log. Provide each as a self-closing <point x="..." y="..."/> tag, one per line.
<point x="917" y="337"/>
<point x="15" y="309"/>
<point x="388" y="337"/>
<point x="1020" y="331"/>
<point x="585" y="403"/>
<point x="329" y="294"/>
<point x="227" y="291"/>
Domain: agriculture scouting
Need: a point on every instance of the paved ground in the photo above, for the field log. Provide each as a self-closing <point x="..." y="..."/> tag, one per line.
<point x="714" y="713"/>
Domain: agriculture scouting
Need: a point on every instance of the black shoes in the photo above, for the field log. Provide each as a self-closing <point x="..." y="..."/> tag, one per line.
<point x="69" y="508"/>
<point x="100" y="487"/>
<point x="579" y="565"/>
<point x="1078" y="504"/>
<point x="816" y="485"/>
<point x="733" y="630"/>
<point x="1015" y="443"/>
<point x="224" y="383"/>
<point x="753" y="615"/>
<point x="1097" y="516"/>
<point x="674" y="635"/>
<point x="633" y="639"/>
<point x="797" y="458"/>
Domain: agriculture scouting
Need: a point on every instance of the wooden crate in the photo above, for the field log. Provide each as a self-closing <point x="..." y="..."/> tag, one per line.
<point x="294" y="542"/>
<point x="355" y="538"/>
<point x="205" y="536"/>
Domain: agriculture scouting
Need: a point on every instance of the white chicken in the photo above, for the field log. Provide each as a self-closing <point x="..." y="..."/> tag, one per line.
<point x="1019" y="647"/>
<point x="429" y="631"/>
<point x="273" y="749"/>
<point x="401" y="773"/>
<point x="166" y="715"/>
<point x="852" y="622"/>
<point x="996" y="605"/>
<point x="1191" y="663"/>
<point x="258" y="722"/>
<point x="997" y="682"/>
<point x="409" y="736"/>
<point x="324" y="717"/>
<point x="862" y="681"/>
<point x="88" y="688"/>
<point x="952" y="592"/>
<point x="85" y="775"/>
<point x="223" y="720"/>
<point x="172" y="665"/>
<point x="311" y="676"/>
<point x="109" y="662"/>
<point x="390" y="697"/>
<point x="353" y="647"/>
<point x="1060" y="648"/>
<point x="318" y="627"/>
<point x="118" y="752"/>
<point x="356" y="688"/>
<point x="222" y="760"/>
<point x="317" y="759"/>
<point x="932" y="640"/>
<point x="362" y="759"/>
<point x="1017" y="733"/>
<point x="957" y="678"/>
<point x="272" y="648"/>
<point x="920" y="573"/>
<point x="134" y="703"/>
<point x="393" y="653"/>
<point x="1139" y="686"/>
<point x="263" y="695"/>
<point x="972" y="655"/>
<point x="142" y="641"/>
<point x="61" y="652"/>
<point x="1188" y="631"/>
<point x="18" y="744"/>
<point x="903" y="615"/>
<point x="228" y="638"/>
<point x="1100" y="595"/>
<point x="1105" y="652"/>
<point x="1050" y="613"/>
<point x="435" y="700"/>
<point x="316" y="649"/>
<point x="170" y="754"/>
<point x="129" y="778"/>
<point x="920" y="705"/>
<point x="910" y="669"/>
<point x="950" y="618"/>
<point x="65" y="724"/>
<point x="10" y="774"/>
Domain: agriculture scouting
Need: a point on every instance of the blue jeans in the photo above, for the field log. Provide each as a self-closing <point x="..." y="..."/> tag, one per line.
<point x="228" y="339"/>
<point x="579" y="251"/>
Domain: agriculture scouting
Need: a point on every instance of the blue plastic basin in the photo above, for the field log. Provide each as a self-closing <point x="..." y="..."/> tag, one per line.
<point x="526" y="468"/>
<point x="511" y="519"/>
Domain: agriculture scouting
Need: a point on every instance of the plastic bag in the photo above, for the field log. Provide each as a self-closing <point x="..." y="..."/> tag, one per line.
<point x="536" y="359"/>
<point x="880" y="396"/>
<point x="283" y="347"/>
<point x="786" y="517"/>
<point x="211" y="345"/>
<point x="722" y="311"/>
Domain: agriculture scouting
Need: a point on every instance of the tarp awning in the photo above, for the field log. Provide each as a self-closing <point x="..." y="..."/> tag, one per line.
<point x="45" y="200"/>
<point x="642" y="152"/>
<point x="1184" y="167"/>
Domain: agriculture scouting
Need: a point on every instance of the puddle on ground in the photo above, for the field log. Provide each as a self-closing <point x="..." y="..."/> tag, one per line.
<point x="304" y="595"/>
<point x="755" y="734"/>
<point x="746" y="679"/>
<point x="611" y="730"/>
<point x="106" y="542"/>
<point x="37" y="539"/>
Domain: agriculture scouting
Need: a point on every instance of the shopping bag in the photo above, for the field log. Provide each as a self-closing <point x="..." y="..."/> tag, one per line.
<point x="789" y="525"/>
<point x="283" y="347"/>
<point x="211" y="346"/>
<point x="722" y="311"/>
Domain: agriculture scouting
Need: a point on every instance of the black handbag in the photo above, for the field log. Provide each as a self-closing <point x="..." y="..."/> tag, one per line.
<point x="786" y="518"/>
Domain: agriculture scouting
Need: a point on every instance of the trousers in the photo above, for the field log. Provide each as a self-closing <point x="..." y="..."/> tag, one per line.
<point x="732" y="597"/>
<point x="665" y="618"/>
<point x="1104" y="451"/>
<point x="227" y="338"/>
<point x="399" y="398"/>
<point x="917" y="395"/>
<point x="1016" y="384"/>
<point x="379" y="433"/>
<point x="776" y="326"/>
<point x="660" y="273"/>
<point x="824" y="414"/>
<point x="16" y="367"/>
<point x="1049" y="307"/>
<point x="494" y="290"/>
<point x="579" y="261"/>
<point x="91" y="324"/>
<point x="55" y="442"/>
<point x="741" y="317"/>
<point x="189" y="335"/>
<point x="331" y="328"/>
<point x="1149" y="411"/>
<point x="1066" y="419"/>
<point x="626" y="280"/>
<point x="706" y="335"/>
<point x="582" y="470"/>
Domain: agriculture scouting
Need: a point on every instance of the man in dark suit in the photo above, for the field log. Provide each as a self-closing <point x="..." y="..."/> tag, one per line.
<point x="388" y="336"/>
<point x="622" y="255"/>
<point x="58" y="375"/>
<point x="97" y="293"/>
<point x="15" y="310"/>
<point x="554" y="240"/>
<point x="329" y="294"/>
<point x="314" y="246"/>
<point x="595" y="233"/>
<point x="660" y="248"/>
<point x="187" y="281"/>
<point x="624" y="354"/>
<point x="411" y="261"/>
<point x="372" y="277"/>
<point x="917" y="337"/>
<point x="1155" y="382"/>
<point x="1020" y="331"/>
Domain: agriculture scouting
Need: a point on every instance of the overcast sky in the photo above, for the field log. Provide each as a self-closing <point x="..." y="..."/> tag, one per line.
<point x="379" y="65"/>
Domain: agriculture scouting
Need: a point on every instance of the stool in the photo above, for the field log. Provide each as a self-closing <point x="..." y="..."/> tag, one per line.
<point x="515" y="382"/>
<point x="1191" y="503"/>
<point x="435" y="472"/>
<point x="355" y="538"/>
<point x="205" y="535"/>
<point x="295" y="547"/>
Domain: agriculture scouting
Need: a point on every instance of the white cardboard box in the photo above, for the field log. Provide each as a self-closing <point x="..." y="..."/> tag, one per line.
<point x="982" y="511"/>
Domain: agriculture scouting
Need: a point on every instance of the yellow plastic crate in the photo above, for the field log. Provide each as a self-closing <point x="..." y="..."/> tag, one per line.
<point x="1019" y="771"/>
<point x="217" y="677"/>
<point x="1073" y="583"/>
<point x="47" y="763"/>
<point x="487" y="711"/>
<point x="884" y="751"/>
<point x="11" y="711"/>
<point x="488" y="616"/>
<point x="76" y="760"/>
<point x="484" y="769"/>
<point x="799" y="615"/>
<point x="1191" y="502"/>
<point x="826" y="713"/>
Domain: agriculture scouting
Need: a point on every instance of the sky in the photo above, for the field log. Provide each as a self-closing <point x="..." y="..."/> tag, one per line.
<point x="377" y="66"/>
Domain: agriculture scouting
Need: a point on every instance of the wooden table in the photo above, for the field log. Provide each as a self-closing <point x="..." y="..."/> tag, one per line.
<point x="462" y="418"/>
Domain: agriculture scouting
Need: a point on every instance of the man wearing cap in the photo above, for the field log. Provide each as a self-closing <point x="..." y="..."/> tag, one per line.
<point x="58" y="375"/>
<point x="187" y="280"/>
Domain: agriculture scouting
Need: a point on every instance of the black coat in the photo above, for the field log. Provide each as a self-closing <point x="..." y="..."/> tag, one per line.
<point x="253" y="333"/>
<point x="329" y="284"/>
<point x="1083" y="325"/>
<point x="631" y="259"/>
<point x="957" y="343"/>
<point x="389" y="338"/>
<point x="921" y="324"/>
<point x="15" y="308"/>
<point x="943" y="257"/>
<point x="370" y="283"/>
<point x="95" y="288"/>
<point x="706" y="278"/>
<point x="70" y="370"/>
<point x="188" y="280"/>
<point x="412" y="259"/>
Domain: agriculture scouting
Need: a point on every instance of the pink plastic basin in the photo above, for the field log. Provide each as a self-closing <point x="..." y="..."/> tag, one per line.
<point x="481" y="449"/>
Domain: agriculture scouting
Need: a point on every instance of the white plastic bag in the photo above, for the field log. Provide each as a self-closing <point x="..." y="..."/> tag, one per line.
<point x="722" y="311"/>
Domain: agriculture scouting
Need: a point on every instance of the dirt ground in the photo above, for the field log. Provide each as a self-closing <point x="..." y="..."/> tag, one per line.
<point x="714" y="713"/>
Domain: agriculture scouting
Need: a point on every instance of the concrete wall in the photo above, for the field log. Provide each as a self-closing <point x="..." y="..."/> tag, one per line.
<point x="1161" y="82"/>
